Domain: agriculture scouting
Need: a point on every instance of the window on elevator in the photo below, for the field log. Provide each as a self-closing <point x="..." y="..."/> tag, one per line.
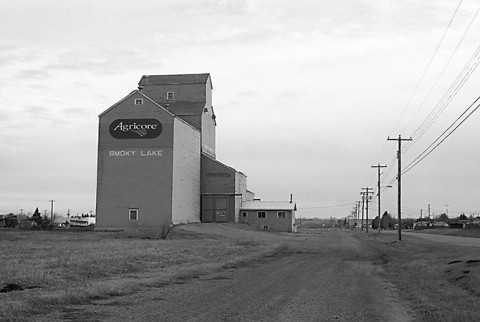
<point x="132" y="214"/>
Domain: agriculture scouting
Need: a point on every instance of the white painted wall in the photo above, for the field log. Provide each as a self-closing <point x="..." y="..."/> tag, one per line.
<point x="186" y="173"/>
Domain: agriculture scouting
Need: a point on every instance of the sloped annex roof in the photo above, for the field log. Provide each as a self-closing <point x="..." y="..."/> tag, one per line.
<point x="220" y="163"/>
<point x="269" y="205"/>
<point x="186" y="108"/>
<point x="147" y="80"/>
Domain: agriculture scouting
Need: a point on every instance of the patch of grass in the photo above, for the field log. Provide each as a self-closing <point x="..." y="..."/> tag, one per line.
<point x="77" y="267"/>
<point x="471" y="232"/>
<point x="440" y="281"/>
<point x="245" y="242"/>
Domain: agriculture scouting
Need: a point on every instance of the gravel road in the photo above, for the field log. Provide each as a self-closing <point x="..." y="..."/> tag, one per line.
<point x="325" y="276"/>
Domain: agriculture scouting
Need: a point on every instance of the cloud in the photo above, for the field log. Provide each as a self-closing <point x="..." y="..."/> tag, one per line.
<point x="36" y="111"/>
<point x="100" y="61"/>
<point x="32" y="74"/>
<point x="5" y="116"/>
<point x="247" y="94"/>
<point x="288" y="95"/>
<point x="80" y="112"/>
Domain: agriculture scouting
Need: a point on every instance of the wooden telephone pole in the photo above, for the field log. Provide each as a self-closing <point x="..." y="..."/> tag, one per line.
<point x="399" y="178"/>
<point x="365" y="196"/>
<point x="378" y="187"/>
<point x="51" y="211"/>
<point x="363" y="209"/>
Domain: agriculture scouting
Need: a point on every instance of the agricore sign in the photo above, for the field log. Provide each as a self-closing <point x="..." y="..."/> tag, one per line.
<point x="135" y="128"/>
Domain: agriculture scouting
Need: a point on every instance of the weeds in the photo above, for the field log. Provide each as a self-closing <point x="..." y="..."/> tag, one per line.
<point x="77" y="267"/>
<point x="440" y="281"/>
<point x="245" y="242"/>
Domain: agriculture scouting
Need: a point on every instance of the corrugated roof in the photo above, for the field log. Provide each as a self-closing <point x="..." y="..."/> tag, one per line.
<point x="173" y="79"/>
<point x="268" y="205"/>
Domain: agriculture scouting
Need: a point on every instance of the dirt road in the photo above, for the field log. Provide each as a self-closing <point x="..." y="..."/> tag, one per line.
<point x="327" y="276"/>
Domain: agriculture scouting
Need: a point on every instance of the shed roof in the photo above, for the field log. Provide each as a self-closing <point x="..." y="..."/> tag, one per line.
<point x="174" y="79"/>
<point x="269" y="205"/>
<point x="218" y="162"/>
<point x="185" y="108"/>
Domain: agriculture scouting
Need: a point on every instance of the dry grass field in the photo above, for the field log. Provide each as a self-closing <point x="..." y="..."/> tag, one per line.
<point x="63" y="266"/>
<point x="440" y="282"/>
<point x="473" y="232"/>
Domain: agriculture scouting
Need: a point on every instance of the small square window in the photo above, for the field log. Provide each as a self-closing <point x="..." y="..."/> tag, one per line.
<point x="170" y="96"/>
<point x="261" y="214"/>
<point x="282" y="214"/>
<point x="133" y="214"/>
<point x="244" y="214"/>
<point x="139" y="101"/>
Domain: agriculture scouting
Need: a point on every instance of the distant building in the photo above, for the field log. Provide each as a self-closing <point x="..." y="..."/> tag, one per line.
<point x="274" y="215"/>
<point x="476" y="221"/>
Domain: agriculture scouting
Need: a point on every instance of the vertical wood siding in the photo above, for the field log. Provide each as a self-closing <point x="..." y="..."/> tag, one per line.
<point x="274" y="223"/>
<point x="186" y="174"/>
<point x="125" y="182"/>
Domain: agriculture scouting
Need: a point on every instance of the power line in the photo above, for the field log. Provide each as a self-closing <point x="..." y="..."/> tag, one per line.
<point x="461" y="79"/>
<point x="428" y="66"/>
<point x="322" y="207"/>
<point x="440" y="140"/>
<point x="438" y="78"/>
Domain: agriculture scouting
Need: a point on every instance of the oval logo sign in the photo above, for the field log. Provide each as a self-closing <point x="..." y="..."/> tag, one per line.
<point x="135" y="128"/>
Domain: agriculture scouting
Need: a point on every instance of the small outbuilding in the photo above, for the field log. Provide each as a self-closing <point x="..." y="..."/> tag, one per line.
<point x="271" y="215"/>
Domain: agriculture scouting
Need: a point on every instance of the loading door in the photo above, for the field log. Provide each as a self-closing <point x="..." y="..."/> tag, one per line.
<point x="214" y="209"/>
<point x="221" y="209"/>
<point x="208" y="209"/>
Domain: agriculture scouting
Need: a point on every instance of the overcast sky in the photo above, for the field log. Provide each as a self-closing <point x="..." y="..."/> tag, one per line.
<point x="305" y="92"/>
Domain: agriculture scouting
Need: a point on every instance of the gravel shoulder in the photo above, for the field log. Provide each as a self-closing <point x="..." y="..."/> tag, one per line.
<point x="456" y="240"/>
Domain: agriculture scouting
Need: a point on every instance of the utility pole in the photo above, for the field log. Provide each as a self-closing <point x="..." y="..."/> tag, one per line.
<point x="428" y="211"/>
<point x="51" y="212"/>
<point x="378" y="186"/>
<point x="357" y="209"/>
<point x="352" y="217"/>
<point x="367" y="194"/>
<point x="399" y="178"/>
<point x="358" y="212"/>
<point x="363" y="208"/>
